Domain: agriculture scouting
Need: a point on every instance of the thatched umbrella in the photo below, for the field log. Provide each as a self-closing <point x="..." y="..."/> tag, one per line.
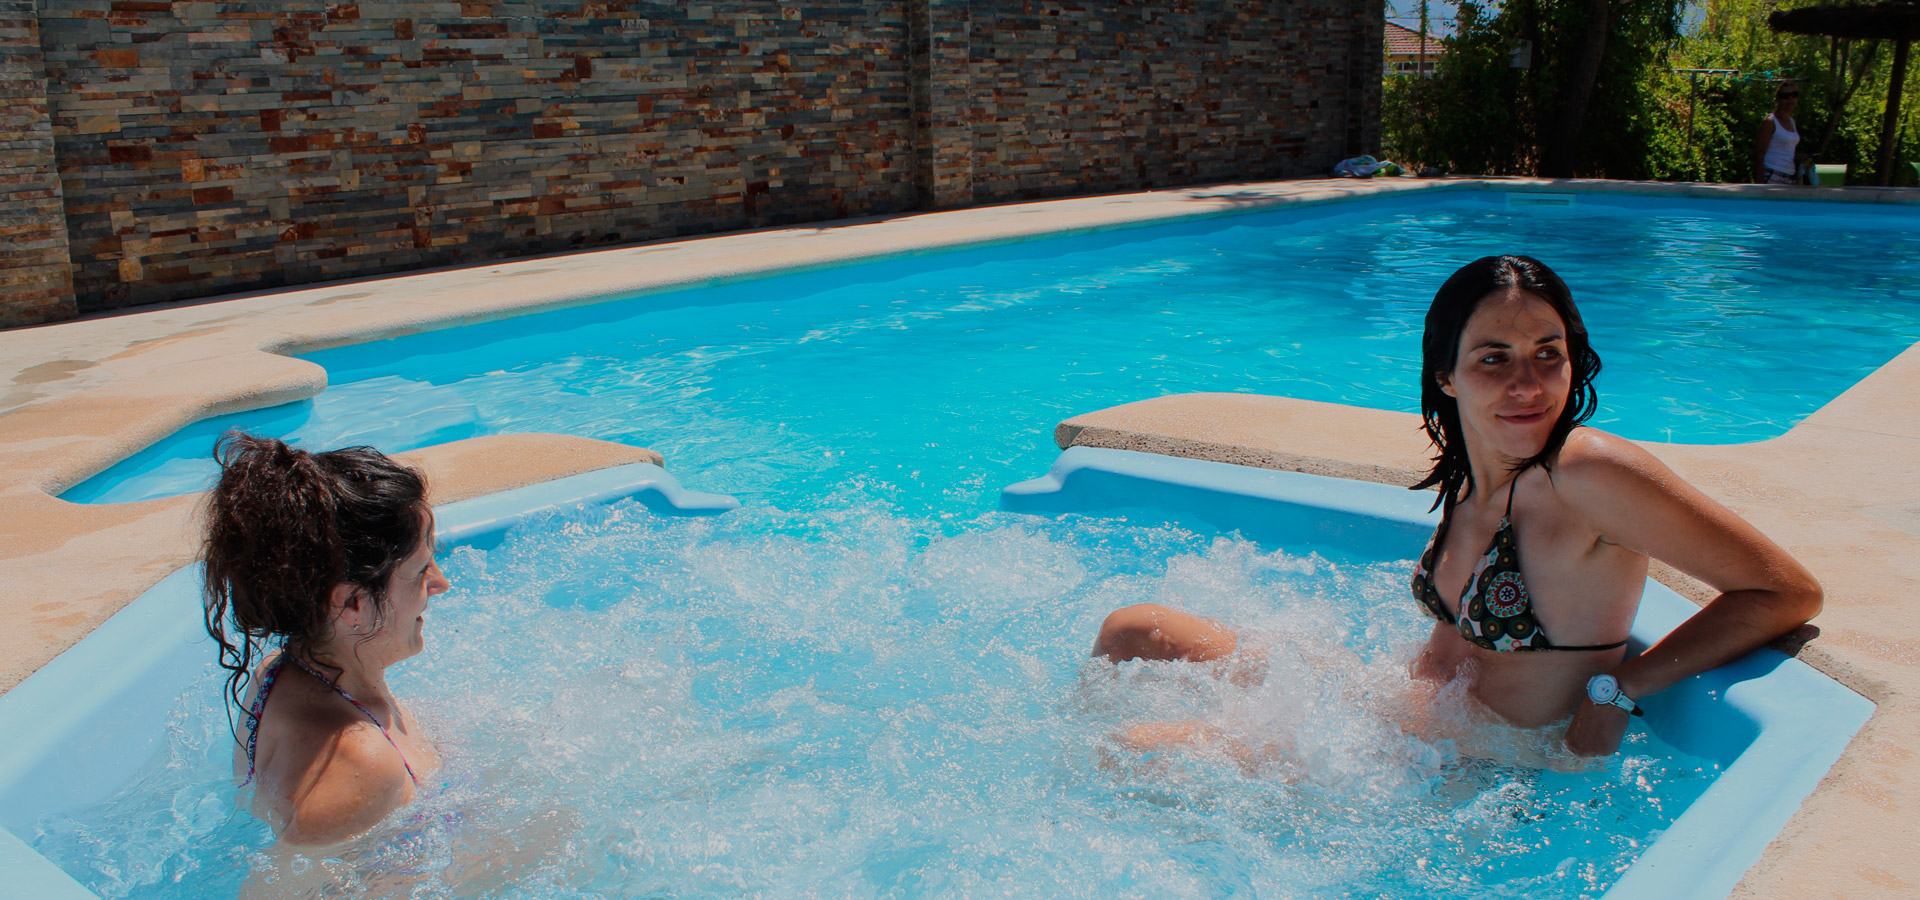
<point x="1898" y="20"/>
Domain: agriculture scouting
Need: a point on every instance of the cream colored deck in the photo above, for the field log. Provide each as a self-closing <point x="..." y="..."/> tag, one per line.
<point x="1842" y="490"/>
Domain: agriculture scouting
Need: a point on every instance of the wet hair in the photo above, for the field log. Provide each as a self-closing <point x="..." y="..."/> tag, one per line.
<point x="1447" y="319"/>
<point x="284" y="527"/>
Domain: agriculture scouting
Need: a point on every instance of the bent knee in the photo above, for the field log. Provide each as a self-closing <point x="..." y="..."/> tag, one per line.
<point x="1128" y="627"/>
<point x="1153" y="631"/>
<point x="1139" y="616"/>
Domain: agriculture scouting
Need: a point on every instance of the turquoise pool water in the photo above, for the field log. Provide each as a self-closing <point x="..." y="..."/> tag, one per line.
<point x="866" y="682"/>
<point x="853" y="702"/>
<point x="934" y="380"/>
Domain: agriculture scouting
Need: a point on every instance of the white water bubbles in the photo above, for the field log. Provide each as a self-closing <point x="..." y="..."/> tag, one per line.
<point x="848" y="701"/>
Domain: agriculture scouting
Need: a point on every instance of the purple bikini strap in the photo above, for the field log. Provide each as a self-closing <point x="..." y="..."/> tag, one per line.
<point x="253" y="715"/>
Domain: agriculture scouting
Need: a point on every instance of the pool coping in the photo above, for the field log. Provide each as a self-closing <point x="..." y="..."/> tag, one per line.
<point x="85" y="394"/>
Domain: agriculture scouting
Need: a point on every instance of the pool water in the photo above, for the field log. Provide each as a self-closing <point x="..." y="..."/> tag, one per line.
<point x="934" y="380"/>
<point x="865" y="682"/>
<point x="848" y="701"/>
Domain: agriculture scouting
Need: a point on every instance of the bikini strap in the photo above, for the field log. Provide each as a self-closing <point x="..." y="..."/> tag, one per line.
<point x="1511" y="485"/>
<point x="259" y="706"/>
<point x="369" y="713"/>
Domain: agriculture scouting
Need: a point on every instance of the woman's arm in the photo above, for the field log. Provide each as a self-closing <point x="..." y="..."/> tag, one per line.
<point x="1636" y="502"/>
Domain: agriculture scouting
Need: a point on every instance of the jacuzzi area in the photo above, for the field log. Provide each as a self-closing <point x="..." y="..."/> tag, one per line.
<point x="1746" y="742"/>
<point x="868" y="676"/>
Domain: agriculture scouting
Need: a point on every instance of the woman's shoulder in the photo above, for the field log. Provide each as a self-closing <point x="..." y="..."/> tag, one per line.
<point x="1615" y="487"/>
<point x="356" y="780"/>
<point x="1597" y="462"/>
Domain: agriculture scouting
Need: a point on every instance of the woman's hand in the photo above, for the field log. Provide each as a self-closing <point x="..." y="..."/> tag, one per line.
<point x="1596" y="729"/>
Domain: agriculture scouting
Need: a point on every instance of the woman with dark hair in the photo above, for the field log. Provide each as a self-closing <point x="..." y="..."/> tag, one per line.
<point x="1776" y="154"/>
<point x="328" y="558"/>
<point x="1537" y="568"/>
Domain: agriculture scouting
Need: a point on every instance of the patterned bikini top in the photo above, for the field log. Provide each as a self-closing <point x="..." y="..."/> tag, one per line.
<point x="1495" y="611"/>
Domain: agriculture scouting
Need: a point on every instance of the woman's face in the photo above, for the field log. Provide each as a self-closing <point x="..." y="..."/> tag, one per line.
<point x="1513" y="376"/>
<point x="414" y="581"/>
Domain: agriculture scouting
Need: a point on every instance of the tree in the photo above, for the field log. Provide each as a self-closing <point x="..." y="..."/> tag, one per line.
<point x="1562" y="145"/>
<point x="1589" y="77"/>
<point x="1842" y="89"/>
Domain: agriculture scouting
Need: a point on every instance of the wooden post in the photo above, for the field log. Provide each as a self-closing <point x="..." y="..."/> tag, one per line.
<point x="1889" y="125"/>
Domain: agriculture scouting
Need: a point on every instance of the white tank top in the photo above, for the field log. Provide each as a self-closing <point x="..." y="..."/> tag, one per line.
<point x="1780" y="150"/>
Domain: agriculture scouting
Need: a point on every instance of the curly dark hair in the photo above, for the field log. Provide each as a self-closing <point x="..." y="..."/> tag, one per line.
<point x="1447" y="318"/>
<point x="284" y="527"/>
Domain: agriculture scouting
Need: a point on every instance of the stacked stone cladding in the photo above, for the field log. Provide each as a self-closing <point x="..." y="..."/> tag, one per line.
<point x="1084" y="97"/>
<point x="223" y="146"/>
<point x="35" y="282"/>
<point x="209" y="147"/>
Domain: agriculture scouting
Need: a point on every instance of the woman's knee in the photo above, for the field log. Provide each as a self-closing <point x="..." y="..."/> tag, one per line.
<point x="1128" y="629"/>
<point x="1153" y="631"/>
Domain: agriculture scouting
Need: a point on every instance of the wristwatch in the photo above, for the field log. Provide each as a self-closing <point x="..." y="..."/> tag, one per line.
<point x="1605" y="690"/>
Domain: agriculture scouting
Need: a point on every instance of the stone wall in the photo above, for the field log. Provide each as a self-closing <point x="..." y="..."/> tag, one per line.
<point x="1086" y="97"/>
<point x="209" y="147"/>
<point x="35" y="284"/>
<point x="221" y="146"/>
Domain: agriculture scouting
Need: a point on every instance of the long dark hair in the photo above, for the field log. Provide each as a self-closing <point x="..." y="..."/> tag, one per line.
<point x="284" y="527"/>
<point x="1452" y="306"/>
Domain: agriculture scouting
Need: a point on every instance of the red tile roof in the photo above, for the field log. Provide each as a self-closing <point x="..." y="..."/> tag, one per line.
<point x="1406" y="42"/>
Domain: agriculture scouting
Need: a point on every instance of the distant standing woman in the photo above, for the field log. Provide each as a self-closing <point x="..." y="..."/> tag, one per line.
<point x="1775" y="156"/>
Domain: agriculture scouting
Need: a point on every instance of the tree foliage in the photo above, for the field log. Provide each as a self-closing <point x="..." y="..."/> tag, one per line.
<point x="1479" y="115"/>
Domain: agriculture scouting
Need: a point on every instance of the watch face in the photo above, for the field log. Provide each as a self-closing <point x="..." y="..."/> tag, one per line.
<point x="1602" y="689"/>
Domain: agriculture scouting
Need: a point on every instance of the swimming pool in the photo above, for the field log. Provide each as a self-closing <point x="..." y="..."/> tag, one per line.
<point x="854" y="703"/>
<point x="826" y="409"/>
<point x="936" y="378"/>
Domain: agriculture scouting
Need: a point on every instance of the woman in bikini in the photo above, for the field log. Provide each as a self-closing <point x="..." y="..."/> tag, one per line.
<point x="1537" y="567"/>
<point x="319" y="567"/>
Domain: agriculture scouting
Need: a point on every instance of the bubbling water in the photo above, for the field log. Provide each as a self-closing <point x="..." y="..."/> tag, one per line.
<point x="848" y="702"/>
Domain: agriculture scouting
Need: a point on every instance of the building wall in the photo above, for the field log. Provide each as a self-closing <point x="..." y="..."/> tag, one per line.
<point x="35" y="285"/>
<point x="1106" y="95"/>
<point x="210" y="147"/>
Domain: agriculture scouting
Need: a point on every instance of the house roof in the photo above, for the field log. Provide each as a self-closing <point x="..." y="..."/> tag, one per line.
<point x="1403" y="41"/>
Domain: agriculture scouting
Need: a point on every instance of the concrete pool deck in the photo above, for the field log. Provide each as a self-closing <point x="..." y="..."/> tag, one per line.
<point x="1841" y="490"/>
